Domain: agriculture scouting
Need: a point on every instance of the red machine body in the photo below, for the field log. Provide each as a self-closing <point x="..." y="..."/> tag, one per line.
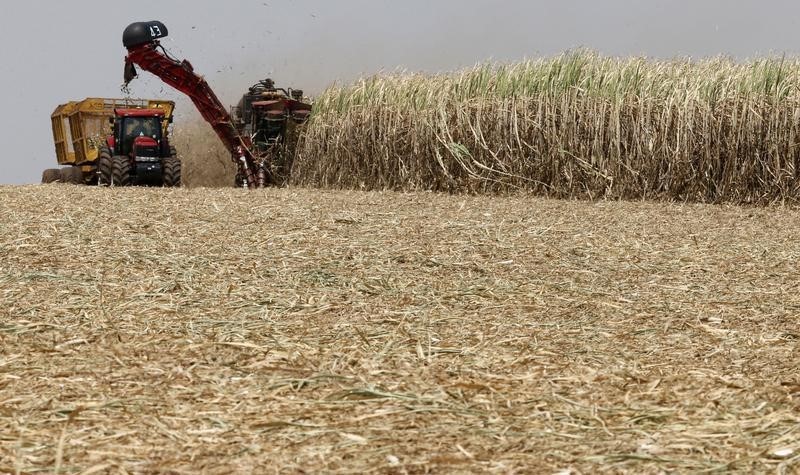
<point x="271" y="116"/>
<point x="140" y="143"/>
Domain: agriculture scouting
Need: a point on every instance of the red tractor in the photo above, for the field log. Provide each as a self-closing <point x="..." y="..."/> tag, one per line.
<point x="138" y="151"/>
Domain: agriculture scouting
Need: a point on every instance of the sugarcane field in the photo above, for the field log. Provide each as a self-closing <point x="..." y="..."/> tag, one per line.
<point x="360" y="238"/>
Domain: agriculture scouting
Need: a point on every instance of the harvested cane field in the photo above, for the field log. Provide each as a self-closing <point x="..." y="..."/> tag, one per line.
<point x="293" y="330"/>
<point x="577" y="125"/>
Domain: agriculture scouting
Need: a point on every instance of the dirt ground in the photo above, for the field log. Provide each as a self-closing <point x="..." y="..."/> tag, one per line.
<point x="291" y="331"/>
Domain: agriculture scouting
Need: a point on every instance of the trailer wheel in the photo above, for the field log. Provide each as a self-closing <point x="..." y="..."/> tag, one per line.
<point x="121" y="171"/>
<point x="51" y="175"/>
<point x="104" y="166"/>
<point x="72" y="175"/>
<point x="172" y="172"/>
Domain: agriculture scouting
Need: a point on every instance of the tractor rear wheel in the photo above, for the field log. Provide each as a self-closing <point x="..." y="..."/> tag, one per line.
<point x="172" y="172"/>
<point x="72" y="175"/>
<point x="51" y="175"/>
<point x="121" y="171"/>
<point x="104" y="166"/>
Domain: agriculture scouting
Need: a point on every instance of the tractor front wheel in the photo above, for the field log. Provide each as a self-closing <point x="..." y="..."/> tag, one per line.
<point x="104" y="166"/>
<point x="172" y="172"/>
<point x="51" y="175"/>
<point x="121" y="171"/>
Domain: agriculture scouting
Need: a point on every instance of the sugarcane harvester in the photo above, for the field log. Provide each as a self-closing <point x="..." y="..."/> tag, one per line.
<point x="145" y="51"/>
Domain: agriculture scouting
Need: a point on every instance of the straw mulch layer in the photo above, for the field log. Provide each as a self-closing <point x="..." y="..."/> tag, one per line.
<point x="199" y="331"/>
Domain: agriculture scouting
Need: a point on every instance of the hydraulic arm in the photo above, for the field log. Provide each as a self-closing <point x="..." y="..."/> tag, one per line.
<point x="145" y="51"/>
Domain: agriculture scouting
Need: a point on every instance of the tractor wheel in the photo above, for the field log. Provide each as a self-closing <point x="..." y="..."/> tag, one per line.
<point x="72" y="175"/>
<point x="51" y="175"/>
<point x="172" y="172"/>
<point x="121" y="171"/>
<point x="104" y="167"/>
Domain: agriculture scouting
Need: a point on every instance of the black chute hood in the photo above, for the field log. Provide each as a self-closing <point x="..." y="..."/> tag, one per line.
<point x="143" y="32"/>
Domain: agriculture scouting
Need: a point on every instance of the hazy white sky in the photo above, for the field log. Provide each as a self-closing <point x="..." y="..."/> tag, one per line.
<point x="55" y="51"/>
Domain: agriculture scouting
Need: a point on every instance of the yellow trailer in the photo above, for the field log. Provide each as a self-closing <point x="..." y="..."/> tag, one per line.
<point x="80" y="128"/>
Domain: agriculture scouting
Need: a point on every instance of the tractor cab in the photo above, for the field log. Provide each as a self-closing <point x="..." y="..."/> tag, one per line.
<point x="139" y="133"/>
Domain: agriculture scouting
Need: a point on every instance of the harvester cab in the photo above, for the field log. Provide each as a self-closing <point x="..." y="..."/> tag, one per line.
<point x="262" y="106"/>
<point x="270" y="116"/>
